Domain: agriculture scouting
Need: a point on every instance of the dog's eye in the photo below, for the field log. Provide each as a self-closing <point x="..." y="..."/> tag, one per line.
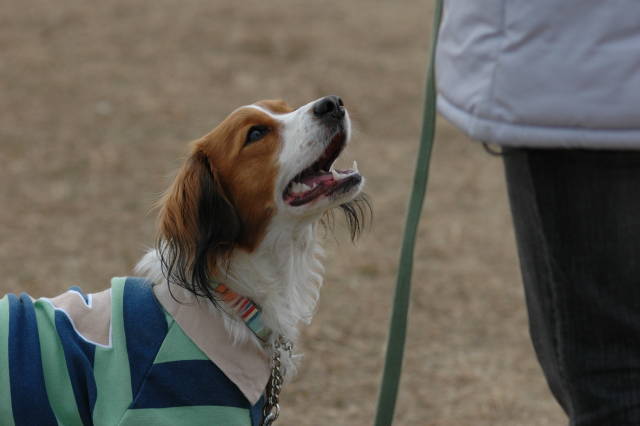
<point x="256" y="133"/>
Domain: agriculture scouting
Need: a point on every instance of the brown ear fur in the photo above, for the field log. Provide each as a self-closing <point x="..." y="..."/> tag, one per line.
<point x="198" y="227"/>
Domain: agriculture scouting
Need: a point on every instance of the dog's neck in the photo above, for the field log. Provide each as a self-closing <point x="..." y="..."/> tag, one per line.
<point x="283" y="275"/>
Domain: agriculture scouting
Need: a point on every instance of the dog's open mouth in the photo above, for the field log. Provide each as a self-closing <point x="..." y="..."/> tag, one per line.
<point x="321" y="179"/>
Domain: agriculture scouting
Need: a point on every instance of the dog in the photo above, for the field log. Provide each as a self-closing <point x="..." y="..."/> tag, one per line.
<point x="205" y="335"/>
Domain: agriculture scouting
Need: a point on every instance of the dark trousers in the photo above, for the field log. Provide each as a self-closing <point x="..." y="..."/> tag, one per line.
<point x="577" y="220"/>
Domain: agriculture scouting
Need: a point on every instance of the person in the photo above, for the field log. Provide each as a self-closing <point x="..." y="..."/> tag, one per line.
<point x="557" y="85"/>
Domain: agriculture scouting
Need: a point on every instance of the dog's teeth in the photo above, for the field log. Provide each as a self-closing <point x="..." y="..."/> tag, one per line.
<point x="335" y="174"/>
<point x="298" y="187"/>
<point x="355" y="166"/>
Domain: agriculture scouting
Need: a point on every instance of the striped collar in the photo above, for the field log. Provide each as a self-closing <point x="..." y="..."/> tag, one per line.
<point x="246" y="309"/>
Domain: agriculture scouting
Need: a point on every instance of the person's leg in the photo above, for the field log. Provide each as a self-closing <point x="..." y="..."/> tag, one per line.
<point x="577" y="221"/>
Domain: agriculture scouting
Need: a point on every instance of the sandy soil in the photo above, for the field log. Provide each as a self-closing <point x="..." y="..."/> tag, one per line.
<point x="98" y="99"/>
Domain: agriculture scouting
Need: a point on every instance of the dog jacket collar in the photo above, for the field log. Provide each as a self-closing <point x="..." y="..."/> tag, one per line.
<point x="245" y="363"/>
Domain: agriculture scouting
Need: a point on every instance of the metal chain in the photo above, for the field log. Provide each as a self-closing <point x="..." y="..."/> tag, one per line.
<point x="271" y="409"/>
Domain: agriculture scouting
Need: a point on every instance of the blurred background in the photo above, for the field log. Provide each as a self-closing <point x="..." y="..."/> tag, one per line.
<point x="98" y="101"/>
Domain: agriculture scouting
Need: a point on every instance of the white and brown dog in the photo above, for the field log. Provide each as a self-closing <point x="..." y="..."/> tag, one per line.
<point x="237" y="268"/>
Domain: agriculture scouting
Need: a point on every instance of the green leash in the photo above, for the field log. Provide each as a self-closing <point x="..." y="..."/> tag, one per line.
<point x="398" y="326"/>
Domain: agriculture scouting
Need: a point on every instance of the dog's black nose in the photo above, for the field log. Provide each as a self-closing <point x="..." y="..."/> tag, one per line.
<point x="329" y="107"/>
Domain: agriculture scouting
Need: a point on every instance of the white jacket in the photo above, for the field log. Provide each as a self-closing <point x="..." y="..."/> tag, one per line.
<point x="542" y="73"/>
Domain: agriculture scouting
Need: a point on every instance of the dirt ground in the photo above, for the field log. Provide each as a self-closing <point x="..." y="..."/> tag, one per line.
<point x="98" y="99"/>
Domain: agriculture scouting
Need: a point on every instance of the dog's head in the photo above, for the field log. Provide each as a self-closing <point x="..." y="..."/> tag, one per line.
<point x="266" y="168"/>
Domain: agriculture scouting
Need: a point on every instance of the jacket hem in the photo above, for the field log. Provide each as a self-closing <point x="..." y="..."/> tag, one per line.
<point x="508" y="134"/>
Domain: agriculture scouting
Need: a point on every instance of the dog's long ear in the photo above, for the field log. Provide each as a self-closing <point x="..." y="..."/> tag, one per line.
<point x="198" y="227"/>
